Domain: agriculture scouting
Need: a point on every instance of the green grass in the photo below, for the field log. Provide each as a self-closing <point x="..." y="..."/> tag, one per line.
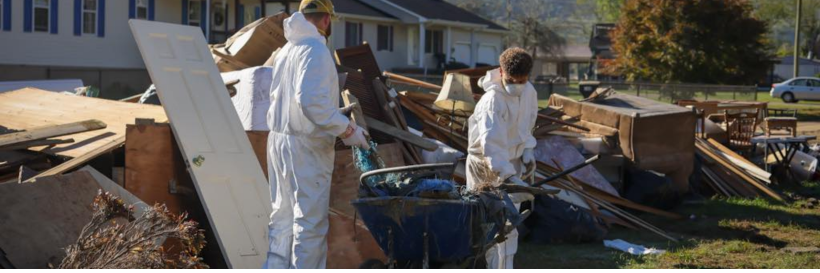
<point x="725" y="233"/>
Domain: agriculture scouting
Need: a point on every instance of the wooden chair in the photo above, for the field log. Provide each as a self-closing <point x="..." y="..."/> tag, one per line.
<point x="780" y="119"/>
<point x="740" y="128"/>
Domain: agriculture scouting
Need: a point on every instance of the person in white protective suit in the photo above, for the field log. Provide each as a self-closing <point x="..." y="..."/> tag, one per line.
<point x="500" y="138"/>
<point x="304" y="120"/>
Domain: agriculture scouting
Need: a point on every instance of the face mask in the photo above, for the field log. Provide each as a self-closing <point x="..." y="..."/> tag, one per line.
<point x="515" y="89"/>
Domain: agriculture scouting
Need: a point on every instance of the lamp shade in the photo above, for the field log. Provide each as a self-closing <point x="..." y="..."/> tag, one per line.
<point x="456" y="94"/>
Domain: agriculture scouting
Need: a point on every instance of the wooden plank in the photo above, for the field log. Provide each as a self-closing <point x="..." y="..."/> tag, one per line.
<point x="152" y="162"/>
<point x="395" y="117"/>
<point x="400" y="134"/>
<point x="738" y="160"/>
<point x="36" y="143"/>
<point x="393" y="120"/>
<point x="410" y="81"/>
<point x="132" y="99"/>
<point x="80" y="160"/>
<point x="360" y="57"/>
<point x="725" y="163"/>
<point x="50" y="131"/>
<point x="31" y="108"/>
<point x="357" y="115"/>
<point x="563" y="122"/>
<point x="370" y="106"/>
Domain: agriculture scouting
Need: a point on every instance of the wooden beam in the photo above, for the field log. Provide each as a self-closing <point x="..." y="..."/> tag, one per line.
<point x="132" y="99"/>
<point x="410" y="81"/>
<point x="357" y="115"/>
<point x="738" y="160"/>
<point x="563" y="122"/>
<point x="401" y="134"/>
<point x="77" y="161"/>
<point x="51" y="131"/>
<point x="734" y="169"/>
<point x="35" y="143"/>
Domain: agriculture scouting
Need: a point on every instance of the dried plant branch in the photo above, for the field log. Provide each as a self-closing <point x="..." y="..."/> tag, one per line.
<point x="103" y="243"/>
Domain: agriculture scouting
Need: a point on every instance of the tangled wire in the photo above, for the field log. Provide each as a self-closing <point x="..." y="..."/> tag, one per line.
<point x="103" y="243"/>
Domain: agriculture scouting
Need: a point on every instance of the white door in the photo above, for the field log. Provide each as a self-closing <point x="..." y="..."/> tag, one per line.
<point x="462" y="52"/>
<point x="219" y="156"/>
<point x="488" y="54"/>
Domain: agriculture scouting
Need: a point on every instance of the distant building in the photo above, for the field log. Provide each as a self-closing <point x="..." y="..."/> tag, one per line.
<point x="785" y="68"/>
<point x="91" y="39"/>
<point x="571" y="63"/>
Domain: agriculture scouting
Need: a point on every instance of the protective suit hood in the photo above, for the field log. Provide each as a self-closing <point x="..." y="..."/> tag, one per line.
<point x="492" y="81"/>
<point x="298" y="29"/>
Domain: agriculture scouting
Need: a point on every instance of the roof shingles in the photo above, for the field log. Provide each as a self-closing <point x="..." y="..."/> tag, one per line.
<point x="442" y="10"/>
<point x="358" y="8"/>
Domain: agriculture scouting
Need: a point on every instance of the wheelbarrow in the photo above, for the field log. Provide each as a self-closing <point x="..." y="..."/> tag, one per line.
<point x="419" y="232"/>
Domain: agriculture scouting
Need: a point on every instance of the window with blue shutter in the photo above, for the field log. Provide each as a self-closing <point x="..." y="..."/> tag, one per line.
<point x="6" y="15"/>
<point x="132" y="9"/>
<point x="53" y="16"/>
<point x="100" y="18"/>
<point x="151" y="7"/>
<point x="27" y="15"/>
<point x="257" y="13"/>
<point x="184" y="12"/>
<point x="78" y="14"/>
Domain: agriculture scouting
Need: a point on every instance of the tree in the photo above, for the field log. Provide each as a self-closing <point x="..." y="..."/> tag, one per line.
<point x="533" y="33"/>
<point x="695" y="41"/>
<point x="606" y="11"/>
<point x="781" y="14"/>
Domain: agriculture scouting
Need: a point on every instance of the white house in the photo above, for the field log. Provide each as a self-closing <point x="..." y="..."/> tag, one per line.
<point x="91" y="39"/>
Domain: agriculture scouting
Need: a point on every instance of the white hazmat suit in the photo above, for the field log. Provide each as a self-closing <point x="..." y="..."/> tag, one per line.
<point x="500" y="130"/>
<point x="304" y="120"/>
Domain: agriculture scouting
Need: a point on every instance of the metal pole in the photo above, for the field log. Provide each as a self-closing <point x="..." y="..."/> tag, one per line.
<point x="797" y="39"/>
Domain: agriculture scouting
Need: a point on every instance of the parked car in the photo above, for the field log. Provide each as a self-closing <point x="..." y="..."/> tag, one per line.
<point x="796" y="89"/>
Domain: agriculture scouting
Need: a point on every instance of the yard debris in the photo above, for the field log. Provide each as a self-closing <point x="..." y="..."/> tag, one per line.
<point x="634" y="122"/>
<point x="633" y="249"/>
<point x="252" y="45"/>
<point x="136" y="243"/>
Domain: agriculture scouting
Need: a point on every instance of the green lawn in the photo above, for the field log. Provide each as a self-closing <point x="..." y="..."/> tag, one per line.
<point x="725" y="233"/>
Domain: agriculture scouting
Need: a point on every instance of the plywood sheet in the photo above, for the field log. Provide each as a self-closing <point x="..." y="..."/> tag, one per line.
<point x="39" y="219"/>
<point x="228" y="180"/>
<point x="29" y="108"/>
